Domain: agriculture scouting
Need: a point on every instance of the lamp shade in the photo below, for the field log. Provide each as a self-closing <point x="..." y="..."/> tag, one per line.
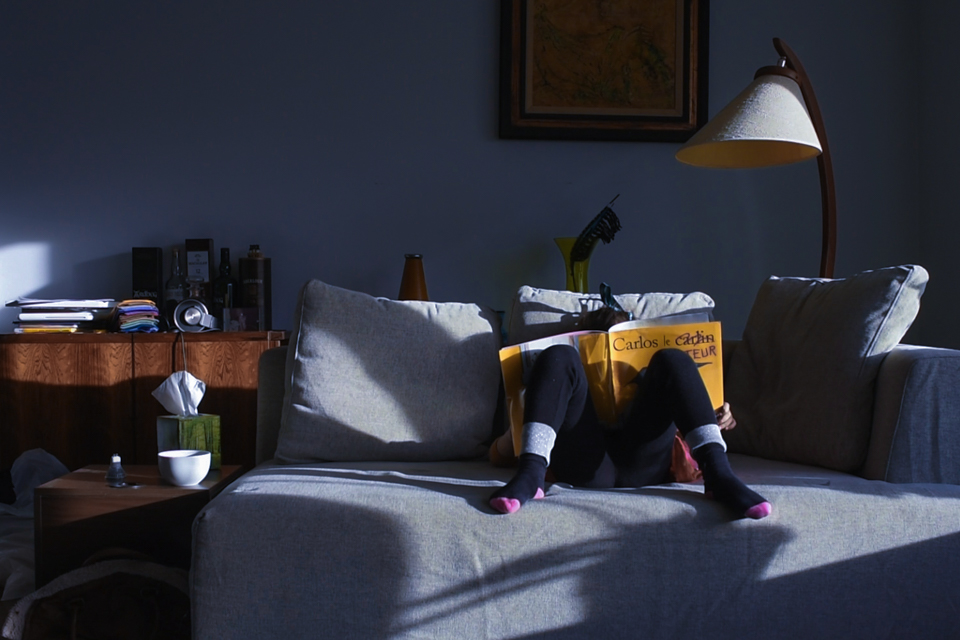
<point x="766" y="125"/>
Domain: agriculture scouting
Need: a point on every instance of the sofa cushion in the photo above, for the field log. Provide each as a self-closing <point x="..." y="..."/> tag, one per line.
<point x="375" y="379"/>
<point x="538" y="313"/>
<point x="801" y="383"/>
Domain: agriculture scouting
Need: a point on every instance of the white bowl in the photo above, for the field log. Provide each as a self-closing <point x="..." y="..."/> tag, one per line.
<point x="184" y="467"/>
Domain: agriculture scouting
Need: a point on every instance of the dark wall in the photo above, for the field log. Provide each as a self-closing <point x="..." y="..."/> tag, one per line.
<point x="340" y="136"/>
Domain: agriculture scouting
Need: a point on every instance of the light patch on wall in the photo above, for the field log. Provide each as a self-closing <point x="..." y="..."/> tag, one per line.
<point x="24" y="269"/>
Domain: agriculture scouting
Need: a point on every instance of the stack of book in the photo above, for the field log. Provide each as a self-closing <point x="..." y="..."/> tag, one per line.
<point x="62" y="316"/>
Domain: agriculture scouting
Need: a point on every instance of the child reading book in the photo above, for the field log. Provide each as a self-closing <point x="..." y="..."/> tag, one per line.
<point x="561" y="429"/>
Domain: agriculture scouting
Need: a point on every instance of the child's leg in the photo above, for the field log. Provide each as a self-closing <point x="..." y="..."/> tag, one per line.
<point x="556" y="402"/>
<point x="672" y="391"/>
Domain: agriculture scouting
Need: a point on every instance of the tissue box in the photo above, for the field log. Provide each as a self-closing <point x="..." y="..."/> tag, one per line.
<point x="200" y="432"/>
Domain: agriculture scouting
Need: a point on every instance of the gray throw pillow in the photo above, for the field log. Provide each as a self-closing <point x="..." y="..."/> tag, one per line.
<point x="801" y="383"/>
<point x="375" y="379"/>
<point x="538" y="313"/>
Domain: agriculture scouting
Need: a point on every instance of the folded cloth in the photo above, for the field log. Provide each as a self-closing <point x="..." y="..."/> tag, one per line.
<point x="134" y="306"/>
<point x="138" y="316"/>
<point x="136" y="301"/>
<point x="138" y="309"/>
<point x="141" y="326"/>
<point x="130" y="317"/>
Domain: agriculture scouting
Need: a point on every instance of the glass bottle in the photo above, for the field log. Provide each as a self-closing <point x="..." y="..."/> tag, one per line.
<point x="176" y="288"/>
<point x="224" y="288"/>
<point x="115" y="474"/>
<point x="195" y="289"/>
<point x="413" y="284"/>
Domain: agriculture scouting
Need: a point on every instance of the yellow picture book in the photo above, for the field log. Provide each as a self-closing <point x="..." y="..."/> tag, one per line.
<point x="613" y="361"/>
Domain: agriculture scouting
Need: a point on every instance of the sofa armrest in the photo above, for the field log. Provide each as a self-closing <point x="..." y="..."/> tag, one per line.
<point x="270" y="389"/>
<point x="916" y="420"/>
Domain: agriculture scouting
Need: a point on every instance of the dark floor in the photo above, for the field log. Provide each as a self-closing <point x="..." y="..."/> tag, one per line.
<point x="7" y="495"/>
<point x="5" y="606"/>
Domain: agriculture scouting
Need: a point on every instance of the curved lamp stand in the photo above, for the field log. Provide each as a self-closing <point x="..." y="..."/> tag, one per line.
<point x="828" y="193"/>
<point x="743" y="135"/>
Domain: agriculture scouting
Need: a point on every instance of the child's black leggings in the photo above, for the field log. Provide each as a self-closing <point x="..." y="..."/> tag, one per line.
<point x="638" y="452"/>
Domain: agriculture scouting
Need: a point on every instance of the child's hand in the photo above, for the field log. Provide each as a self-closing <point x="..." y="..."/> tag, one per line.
<point x="725" y="417"/>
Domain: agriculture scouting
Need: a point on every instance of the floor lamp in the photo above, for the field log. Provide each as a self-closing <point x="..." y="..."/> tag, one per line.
<point x="776" y="120"/>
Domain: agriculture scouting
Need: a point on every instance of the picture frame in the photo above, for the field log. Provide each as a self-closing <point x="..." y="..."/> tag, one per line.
<point x="632" y="70"/>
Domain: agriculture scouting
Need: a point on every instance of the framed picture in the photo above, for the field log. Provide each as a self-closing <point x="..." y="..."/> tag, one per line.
<point x="603" y="69"/>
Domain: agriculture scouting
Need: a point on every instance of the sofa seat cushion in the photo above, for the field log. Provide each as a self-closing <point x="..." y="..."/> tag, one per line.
<point x="411" y="550"/>
<point x="538" y="313"/>
<point x="801" y="382"/>
<point x="376" y="379"/>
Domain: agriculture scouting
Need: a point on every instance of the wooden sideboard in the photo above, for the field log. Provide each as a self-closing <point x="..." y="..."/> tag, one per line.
<point x="83" y="397"/>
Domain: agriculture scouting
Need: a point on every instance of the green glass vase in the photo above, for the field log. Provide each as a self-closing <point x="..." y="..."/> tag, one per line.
<point x="577" y="272"/>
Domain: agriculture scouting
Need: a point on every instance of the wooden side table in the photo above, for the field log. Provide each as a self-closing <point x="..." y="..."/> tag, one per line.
<point x="77" y="515"/>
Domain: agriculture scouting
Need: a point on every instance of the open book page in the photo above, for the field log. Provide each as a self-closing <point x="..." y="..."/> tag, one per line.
<point x="631" y="348"/>
<point x="516" y="363"/>
<point x="614" y="361"/>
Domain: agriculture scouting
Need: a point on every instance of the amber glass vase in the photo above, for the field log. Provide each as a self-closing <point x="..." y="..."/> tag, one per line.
<point x="413" y="284"/>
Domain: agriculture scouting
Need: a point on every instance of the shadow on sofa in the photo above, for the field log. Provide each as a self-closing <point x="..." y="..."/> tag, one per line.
<point x="612" y="568"/>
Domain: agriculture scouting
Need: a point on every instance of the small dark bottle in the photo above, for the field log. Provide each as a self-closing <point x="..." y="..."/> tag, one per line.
<point x="224" y="289"/>
<point x="115" y="474"/>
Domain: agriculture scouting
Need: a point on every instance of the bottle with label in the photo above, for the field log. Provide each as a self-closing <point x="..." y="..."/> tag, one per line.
<point x="176" y="288"/>
<point x="200" y="266"/>
<point x="224" y="289"/>
<point x="254" y="272"/>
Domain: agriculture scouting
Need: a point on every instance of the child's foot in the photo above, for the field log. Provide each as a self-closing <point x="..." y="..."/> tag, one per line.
<point x="511" y="505"/>
<point x="526" y="485"/>
<point x="722" y="485"/>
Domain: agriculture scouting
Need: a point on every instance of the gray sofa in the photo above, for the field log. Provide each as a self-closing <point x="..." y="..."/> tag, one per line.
<point x="408" y="548"/>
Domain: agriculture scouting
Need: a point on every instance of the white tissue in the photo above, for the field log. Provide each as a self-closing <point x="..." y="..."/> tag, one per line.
<point x="180" y="394"/>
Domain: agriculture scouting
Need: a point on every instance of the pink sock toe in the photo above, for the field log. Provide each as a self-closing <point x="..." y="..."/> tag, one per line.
<point x="505" y="505"/>
<point x="758" y="511"/>
<point x="539" y="495"/>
